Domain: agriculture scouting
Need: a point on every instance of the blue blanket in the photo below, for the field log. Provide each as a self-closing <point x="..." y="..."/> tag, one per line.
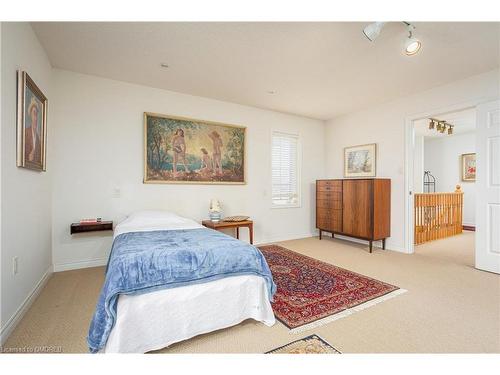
<point x="142" y="262"/>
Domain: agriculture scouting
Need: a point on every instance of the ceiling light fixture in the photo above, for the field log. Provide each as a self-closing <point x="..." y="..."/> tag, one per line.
<point x="164" y="65"/>
<point x="441" y="126"/>
<point x="412" y="45"/>
<point x="372" y="31"/>
<point x="272" y="92"/>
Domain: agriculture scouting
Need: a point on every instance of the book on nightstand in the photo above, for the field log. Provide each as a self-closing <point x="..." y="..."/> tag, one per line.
<point x="90" y="221"/>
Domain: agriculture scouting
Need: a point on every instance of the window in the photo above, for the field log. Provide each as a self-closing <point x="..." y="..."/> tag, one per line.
<point x="285" y="170"/>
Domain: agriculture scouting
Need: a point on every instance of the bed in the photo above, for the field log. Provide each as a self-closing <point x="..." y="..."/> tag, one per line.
<point x="169" y="279"/>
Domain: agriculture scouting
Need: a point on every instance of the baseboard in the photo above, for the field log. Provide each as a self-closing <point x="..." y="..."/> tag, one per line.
<point x="376" y="244"/>
<point x="81" y="264"/>
<point x="285" y="238"/>
<point x="18" y="315"/>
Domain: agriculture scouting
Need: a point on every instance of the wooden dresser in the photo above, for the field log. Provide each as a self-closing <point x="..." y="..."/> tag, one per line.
<point x="359" y="208"/>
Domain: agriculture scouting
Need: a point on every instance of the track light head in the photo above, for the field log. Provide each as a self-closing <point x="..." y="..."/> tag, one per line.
<point x="372" y="31"/>
<point x="412" y="44"/>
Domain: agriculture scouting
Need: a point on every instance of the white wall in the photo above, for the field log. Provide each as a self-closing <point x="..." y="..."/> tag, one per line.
<point x="25" y="194"/>
<point x="418" y="164"/>
<point x="98" y="146"/>
<point x="385" y="125"/>
<point x="1" y="304"/>
<point x="443" y="157"/>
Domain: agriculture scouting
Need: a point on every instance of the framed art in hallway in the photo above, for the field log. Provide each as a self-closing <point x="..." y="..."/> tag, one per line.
<point x="469" y="167"/>
<point x="360" y="161"/>
<point x="183" y="150"/>
<point x="31" y="123"/>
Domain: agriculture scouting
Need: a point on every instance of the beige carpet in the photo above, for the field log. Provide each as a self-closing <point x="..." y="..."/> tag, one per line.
<point x="449" y="306"/>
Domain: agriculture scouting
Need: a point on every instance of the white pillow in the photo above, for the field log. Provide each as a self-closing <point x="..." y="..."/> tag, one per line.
<point x="154" y="218"/>
<point x="152" y="214"/>
<point x="148" y="220"/>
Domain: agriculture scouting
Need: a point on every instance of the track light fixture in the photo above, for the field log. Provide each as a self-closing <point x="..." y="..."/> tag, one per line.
<point x="411" y="46"/>
<point x="440" y="126"/>
<point x="372" y="31"/>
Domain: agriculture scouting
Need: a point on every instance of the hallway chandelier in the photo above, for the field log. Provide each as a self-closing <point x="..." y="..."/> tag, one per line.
<point x="440" y="126"/>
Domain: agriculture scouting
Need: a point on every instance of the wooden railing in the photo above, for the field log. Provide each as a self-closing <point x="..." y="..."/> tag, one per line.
<point x="437" y="215"/>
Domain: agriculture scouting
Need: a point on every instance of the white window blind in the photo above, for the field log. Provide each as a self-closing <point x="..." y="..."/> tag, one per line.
<point x="285" y="169"/>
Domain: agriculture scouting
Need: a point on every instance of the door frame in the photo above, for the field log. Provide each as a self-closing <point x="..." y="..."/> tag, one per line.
<point x="409" y="159"/>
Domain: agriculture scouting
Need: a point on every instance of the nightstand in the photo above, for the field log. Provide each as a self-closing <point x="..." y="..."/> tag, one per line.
<point x="231" y="224"/>
<point x="94" y="227"/>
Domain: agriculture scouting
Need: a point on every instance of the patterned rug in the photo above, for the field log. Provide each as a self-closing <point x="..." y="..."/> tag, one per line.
<point x="308" y="345"/>
<point x="312" y="293"/>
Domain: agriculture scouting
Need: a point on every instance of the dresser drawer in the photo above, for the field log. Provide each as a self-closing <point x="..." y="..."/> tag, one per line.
<point x="329" y="185"/>
<point x="329" y="203"/>
<point x="329" y="214"/>
<point x="335" y="214"/>
<point x="329" y="195"/>
<point x="329" y="219"/>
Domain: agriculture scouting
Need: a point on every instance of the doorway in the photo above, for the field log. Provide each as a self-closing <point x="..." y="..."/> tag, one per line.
<point x="487" y="185"/>
<point x="444" y="171"/>
<point x="444" y="184"/>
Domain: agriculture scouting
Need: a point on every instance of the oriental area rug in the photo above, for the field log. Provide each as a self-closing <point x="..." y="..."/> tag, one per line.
<point x="311" y="293"/>
<point x="308" y="345"/>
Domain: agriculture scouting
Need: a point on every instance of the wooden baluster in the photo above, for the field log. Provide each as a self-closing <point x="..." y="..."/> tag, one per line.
<point x="437" y="215"/>
<point x="438" y="199"/>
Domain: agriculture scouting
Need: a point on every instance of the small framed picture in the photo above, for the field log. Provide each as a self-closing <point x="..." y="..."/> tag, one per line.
<point x="360" y="161"/>
<point x="469" y="167"/>
<point x="31" y="123"/>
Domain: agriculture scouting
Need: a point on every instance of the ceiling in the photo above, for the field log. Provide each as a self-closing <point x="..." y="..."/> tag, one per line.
<point x="317" y="70"/>
<point x="463" y="122"/>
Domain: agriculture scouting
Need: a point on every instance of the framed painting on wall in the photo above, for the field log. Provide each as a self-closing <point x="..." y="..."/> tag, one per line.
<point x="183" y="150"/>
<point x="469" y="167"/>
<point x="31" y="123"/>
<point x="360" y="161"/>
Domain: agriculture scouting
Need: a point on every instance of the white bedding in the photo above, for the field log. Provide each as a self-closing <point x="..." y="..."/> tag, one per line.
<point x="158" y="319"/>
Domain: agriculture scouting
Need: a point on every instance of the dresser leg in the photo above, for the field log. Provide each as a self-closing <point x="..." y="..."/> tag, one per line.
<point x="383" y="244"/>
<point x="333" y="235"/>
<point x="320" y="234"/>
<point x="371" y="243"/>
